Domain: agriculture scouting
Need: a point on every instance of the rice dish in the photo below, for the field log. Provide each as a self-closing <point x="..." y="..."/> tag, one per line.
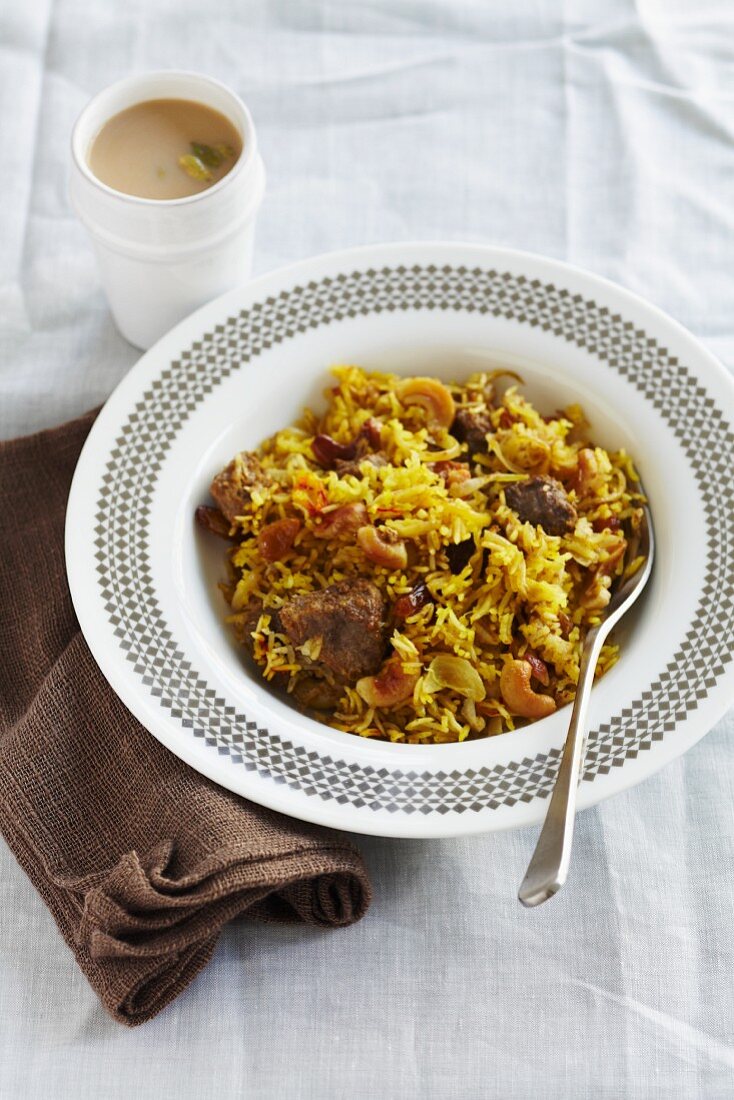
<point x="421" y="562"/>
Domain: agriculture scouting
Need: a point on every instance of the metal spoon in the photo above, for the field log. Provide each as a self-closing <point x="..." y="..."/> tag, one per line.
<point x="549" y="865"/>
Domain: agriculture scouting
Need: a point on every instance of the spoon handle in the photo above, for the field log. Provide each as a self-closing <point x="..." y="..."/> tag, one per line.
<point x="548" y="867"/>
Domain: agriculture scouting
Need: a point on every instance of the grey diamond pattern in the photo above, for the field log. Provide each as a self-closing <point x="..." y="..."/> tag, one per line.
<point x="128" y="484"/>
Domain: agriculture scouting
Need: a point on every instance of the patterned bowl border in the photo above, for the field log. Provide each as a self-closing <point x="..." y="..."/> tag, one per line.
<point x="124" y="501"/>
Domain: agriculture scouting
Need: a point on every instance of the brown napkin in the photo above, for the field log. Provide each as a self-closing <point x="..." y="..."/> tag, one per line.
<point x="140" y="859"/>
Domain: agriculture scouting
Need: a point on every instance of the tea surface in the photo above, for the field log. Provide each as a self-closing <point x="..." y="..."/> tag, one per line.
<point x="165" y="149"/>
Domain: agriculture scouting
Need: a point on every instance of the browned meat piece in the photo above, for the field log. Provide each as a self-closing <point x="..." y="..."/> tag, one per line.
<point x="542" y="500"/>
<point x="232" y="488"/>
<point x="315" y="694"/>
<point x="472" y="428"/>
<point x="212" y="520"/>
<point x="349" y="617"/>
<point x="244" y="627"/>
<point x="311" y="692"/>
<point x="353" y="466"/>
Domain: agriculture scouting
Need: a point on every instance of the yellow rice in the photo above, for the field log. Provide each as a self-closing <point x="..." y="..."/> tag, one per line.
<point x="529" y="591"/>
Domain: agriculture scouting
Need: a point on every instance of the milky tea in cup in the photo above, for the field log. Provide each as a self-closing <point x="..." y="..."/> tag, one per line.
<point x="165" y="149"/>
<point x="167" y="178"/>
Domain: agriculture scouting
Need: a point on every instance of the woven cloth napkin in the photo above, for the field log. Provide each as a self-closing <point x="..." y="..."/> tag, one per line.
<point x="139" y="858"/>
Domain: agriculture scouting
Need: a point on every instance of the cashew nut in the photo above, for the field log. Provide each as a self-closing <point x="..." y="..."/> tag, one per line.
<point x="433" y="396"/>
<point x="382" y="546"/>
<point x="518" y="694"/>
<point x="390" y="686"/>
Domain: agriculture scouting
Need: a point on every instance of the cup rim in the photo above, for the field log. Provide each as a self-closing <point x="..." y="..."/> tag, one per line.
<point x="245" y="159"/>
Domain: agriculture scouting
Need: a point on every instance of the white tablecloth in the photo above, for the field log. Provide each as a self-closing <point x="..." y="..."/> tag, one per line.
<point x="598" y="131"/>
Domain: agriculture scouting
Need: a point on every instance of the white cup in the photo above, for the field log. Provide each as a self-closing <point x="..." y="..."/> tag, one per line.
<point x="162" y="258"/>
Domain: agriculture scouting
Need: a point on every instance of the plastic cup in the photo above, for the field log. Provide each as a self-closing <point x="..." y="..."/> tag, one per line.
<point x="160" y="259"/>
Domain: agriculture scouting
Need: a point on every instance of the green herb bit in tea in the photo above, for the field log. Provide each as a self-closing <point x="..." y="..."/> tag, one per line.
<point x="195" y="167"/>
<point x="211" y="155"/>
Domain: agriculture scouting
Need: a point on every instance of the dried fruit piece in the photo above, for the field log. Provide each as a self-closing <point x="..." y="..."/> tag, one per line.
<point x="566" y="623"/>
<point x="459" y="554"/>
<point x="412" y="601"/>
<point x="611" y="523"/>
<point x="391" y="685"/>
<point x="371" y="430"/>
<point x="344" y="520"/>
<point x="275" y="539"/>
<point x="326" y="450"/>
<point x="539" y="667"/>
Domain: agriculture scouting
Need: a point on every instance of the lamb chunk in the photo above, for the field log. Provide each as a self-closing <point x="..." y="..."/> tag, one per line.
<point x="312" y="693"/>
<point x="232" y="488"/>
<point x="245" y="627"/>
<point x="354" y="466"/>
<point x="542" y="500"/>
<point x="472" y="428"/>
<point x="212" y="520"/>
<point x="349" y="617"/>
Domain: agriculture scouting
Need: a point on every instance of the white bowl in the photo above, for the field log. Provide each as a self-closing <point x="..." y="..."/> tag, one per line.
<point x="144" y="581"/>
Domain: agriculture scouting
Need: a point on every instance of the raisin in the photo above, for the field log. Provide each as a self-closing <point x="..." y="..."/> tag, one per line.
<point x="275" y="539"/>
<point x="413" y="601"/>
<point x="326" y="450"/>
<point x="459" y="554"/>
<point x="539" y="667"/>
<point x="610" y="524"/>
